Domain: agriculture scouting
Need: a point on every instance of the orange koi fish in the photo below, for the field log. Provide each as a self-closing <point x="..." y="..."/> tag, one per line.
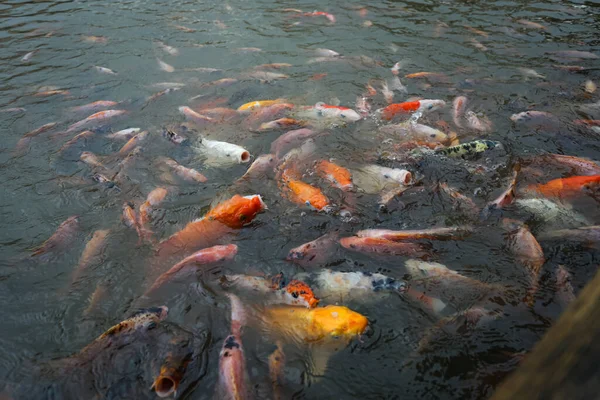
<point x="408" y="107"/>
<point x="566" y="187"/>
<point x="339" y="176"/>
<point x="255" y="105"/>
<point x="302" y="193"/>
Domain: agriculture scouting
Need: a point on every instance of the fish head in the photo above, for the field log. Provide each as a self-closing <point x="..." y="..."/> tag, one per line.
<point x="237" y="211"/>
<point x="167" y="381"/>
<point x="232" y="347"/>
<point x="521" y="117"/>
<point x="431" y="105"/>
<point x="318" y="201"/>
<point x="339" y="321"/>
<point x="399" y="175"/>
<point x="299" y="293"/>
<point x="350" y="115"/>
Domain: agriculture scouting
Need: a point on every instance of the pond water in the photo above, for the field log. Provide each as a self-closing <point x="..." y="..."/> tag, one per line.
<point x="505" y="57"/>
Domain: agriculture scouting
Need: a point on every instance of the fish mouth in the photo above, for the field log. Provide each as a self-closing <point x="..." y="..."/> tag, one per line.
<point x="245" y="157"/>
<point x="164" y="386"/>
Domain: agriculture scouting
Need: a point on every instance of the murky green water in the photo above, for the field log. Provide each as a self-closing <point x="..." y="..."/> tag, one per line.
<point x="42" y="185"/>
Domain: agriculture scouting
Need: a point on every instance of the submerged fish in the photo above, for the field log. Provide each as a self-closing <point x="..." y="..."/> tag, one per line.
<point x="62" y="237"/>
<point x="189" y="265"/>
<point x="411" y="130"/>
<point x="263" y="164"/>
<point x="459" y="106"/>
<point x="188" y="174"/>
<point x="99" y="117"/>
<point x="469" y="149"/>
<point x="143" y="319"/>
<point x="96" y="105"/>
<point x="172" y="371"/>
<point x="382" y="246"/>
<point x="255" y="105"/>
<point x="92" y="253"/>
<point x="442" y="233"/>
<point x="564" y="289"/>
<point x="233" y="383"/>
<point x="314" y="253"/>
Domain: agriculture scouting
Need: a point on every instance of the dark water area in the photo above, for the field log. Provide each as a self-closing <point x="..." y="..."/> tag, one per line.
<point x="489" y="52"/>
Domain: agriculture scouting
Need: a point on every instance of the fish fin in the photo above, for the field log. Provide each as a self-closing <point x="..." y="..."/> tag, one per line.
<point x="317" y="363"/>
<point x="277" y="281"/>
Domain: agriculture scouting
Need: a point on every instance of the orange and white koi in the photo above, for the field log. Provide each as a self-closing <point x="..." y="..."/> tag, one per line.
<point x="130" y="218"/>
<point x="423" y="106"/>
<point x="193" y="116"/>
<point x="92" y="253"/>
<point x="281" y="123"/>
<point x="459" y="106"/>
<point x="132" y="143"/>
<point x="155" y="197"/>
<point x="295" y="293"/>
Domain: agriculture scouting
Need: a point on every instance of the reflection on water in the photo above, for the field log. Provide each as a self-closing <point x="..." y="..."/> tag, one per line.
<point x="149" y="60"/>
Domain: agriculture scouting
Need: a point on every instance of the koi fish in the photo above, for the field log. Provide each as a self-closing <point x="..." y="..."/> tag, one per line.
<point x="458" y="110"/>
<point x="410" y="130"/>
<point x="442" y="233"/>
<point x="328" y="111"/>
<point x="281" y="123"/>
<point x="164" y="66"/>
<point x="265" y="114"/>
<point x="226" y="216"/>
<point x="260" y="167"/>
<point x="482" y="124"/>
<point x="273" y="66"/>
<point x="62" y="237"/>
<point x="193" y="116"/>
<point x="218" y="152"/>
<point x="586" y="234"/>
<point x="506" y="198"/>
<point x="174" y="137"/>
<point x="99" y="117"/>
<point x="432" y="305"/>
<point x="233" y="377"/>
<point x="143" y="319"/>
<point x="167" y="49"/>
<point x="290" y="138"/>
<point x="534" y="118"/>
<point x="316" y="324"/>
<point x="263" y="76"/>
<point x="162" y="93"/>
<point x="92" y="253"/>
<point x="171" y="372"/>
<point x="526" y="250"/>
<point x="295" y="293"/>
<point x="574" y="54"/>
<point x="130" y="219"/>
<point x="427" y="75"/>
<point x="530" y="24"/>
<point x="340" y="177"/>
<point x="469" y="149"/>
<point x="124" y="133"/>
<point x="188" y="174"/>
<point x="255" y="105"/>
<point x="322" y="328"/>
<point x="96" y="105"/>
<point x="314" y="253"/>
<point x="132" y="143"/>
<point x="352" y="285"/>
<point x="566" y="187"/>
<point x="329" y="16"/>
<point x="104" y="70"/>
<point x="26" y="139"/>
<point x="382" y="246"/>
<point x="189" y="265"/>
<point x="423" y="106"/>
<point x="302" y="193"/>
<point x="155" y="197"/>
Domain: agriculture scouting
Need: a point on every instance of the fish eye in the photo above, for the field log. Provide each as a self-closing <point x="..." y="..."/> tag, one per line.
<point x="342" y="115"/>
<point x="432" y="135"/>
<point x="429" y="107"/>
<point x="295" y="295"/>
<point x="307" y="203"/>
<point x="242" y="217"/>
